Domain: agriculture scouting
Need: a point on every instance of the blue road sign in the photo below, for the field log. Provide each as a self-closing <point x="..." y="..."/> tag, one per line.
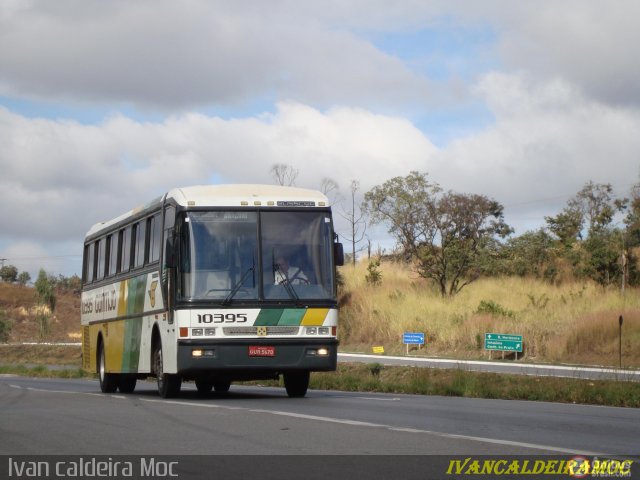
<point x="413" y="338"/>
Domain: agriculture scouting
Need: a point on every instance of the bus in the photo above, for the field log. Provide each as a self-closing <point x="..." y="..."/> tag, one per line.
<point x="212" y="284"/>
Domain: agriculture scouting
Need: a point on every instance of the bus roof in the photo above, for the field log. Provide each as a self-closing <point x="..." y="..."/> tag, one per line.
<point x="226" y="196"/>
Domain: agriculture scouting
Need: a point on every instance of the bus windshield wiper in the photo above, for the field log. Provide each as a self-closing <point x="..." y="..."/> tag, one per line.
<point x="237" y="286"/>
<point x="286" y="283"/>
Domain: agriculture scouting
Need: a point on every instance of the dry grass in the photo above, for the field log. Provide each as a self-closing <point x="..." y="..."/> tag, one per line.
<point x="574" y="322"/>
<point x="20" y="307"/>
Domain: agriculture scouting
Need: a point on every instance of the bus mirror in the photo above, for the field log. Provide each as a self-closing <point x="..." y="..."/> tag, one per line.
<point x="170" y="250"/>
<point x="338" y="254"/>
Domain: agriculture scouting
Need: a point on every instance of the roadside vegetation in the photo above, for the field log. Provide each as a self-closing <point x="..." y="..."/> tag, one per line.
<point x="574" y="322"/>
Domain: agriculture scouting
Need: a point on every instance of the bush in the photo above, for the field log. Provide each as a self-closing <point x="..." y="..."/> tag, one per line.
<point x="374" y="275"/>
<point x="5" y="327"/>
<point x="492" y="308"/>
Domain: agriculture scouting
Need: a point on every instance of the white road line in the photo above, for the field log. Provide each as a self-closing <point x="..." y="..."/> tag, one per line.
<point x="357" y="423"/>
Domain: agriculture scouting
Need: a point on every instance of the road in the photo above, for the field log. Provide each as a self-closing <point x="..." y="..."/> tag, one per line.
<point x="58" y="416"/>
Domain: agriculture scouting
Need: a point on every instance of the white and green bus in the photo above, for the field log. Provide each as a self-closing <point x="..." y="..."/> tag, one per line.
<point x="213" y="284"/>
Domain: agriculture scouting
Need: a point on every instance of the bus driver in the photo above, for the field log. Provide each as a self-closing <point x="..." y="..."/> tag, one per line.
<point x="288" y="273"/>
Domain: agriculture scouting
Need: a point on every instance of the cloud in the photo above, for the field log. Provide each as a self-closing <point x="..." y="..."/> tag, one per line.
<point x="60" y="177"/>
<point x="167" y="55"/>
<point x="583" y="42"/>
<point x="547" y="141"/>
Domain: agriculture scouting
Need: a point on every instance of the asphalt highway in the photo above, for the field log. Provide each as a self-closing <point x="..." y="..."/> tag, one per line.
<point x="58" y="416"/>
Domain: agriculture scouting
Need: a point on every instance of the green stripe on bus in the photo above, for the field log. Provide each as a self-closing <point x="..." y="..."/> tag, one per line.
<point x="137" y="287"/>
<point x="292" y="316"/>
<point x="131" y="350"/>
<point x="133" y="326"/>
<point x="268" y="317"/>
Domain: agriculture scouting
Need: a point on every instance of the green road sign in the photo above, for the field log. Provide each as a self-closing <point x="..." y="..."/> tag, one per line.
<point x="503" y="342"/>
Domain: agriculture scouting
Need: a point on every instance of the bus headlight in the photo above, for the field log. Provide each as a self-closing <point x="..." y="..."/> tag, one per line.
<point x="196" y="332"/>
<point x="312" y="330"/>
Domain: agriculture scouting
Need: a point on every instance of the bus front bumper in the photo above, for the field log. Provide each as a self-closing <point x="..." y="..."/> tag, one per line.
<point x="273" y="355"/>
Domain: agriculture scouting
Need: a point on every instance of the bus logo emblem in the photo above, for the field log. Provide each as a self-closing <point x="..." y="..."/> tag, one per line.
<point x="261" y="331"/>
<point x="152" y="293"/>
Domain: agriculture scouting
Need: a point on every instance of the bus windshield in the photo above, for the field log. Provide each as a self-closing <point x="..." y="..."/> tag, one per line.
<point x="221" y="251"/>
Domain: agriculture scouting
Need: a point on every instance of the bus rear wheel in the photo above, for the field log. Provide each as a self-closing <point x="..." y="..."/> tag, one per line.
<point x="108" y="381"/>
<point x="127" y="383"/>
<point x="168" y="383"/>
<point x="296" y="383"/>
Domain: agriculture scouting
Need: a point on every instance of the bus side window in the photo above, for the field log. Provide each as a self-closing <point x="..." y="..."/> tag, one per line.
<point x="88" y="263"/>
<point x="140" y="243"/>
<point x="101" y="258"/>
<point x="153" y="229"/>
<point x="116" y="251"/>
<point x="125" y="264"/>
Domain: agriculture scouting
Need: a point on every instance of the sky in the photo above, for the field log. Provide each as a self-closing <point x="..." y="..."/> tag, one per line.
<point x="106" y="105"/>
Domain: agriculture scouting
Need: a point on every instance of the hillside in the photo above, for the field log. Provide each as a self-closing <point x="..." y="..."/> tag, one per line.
<point x="20" y="307"/>
<point x="572" y="322"/>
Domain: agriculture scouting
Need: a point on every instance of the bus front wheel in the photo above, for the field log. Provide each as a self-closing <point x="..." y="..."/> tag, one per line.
<point x="296" y="383"/>
<point x="221" y="386"/>
<point x="168" y="384"/>
<point x="203" y="386"/>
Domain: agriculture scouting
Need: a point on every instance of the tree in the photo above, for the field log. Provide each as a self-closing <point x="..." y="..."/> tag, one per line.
<point x="567" y="225"/>
<point x="603" y="260"/>
<point x="9" y="273"/>
<point x="406" y="205"/>
<point x="531" y="253"/>
<point x="442" y="233"/>
<point x="357" y="223"/>
<point x="284" y="174"/>
<point x="24" y="278"/>
<point x="596" y="203"/>
<point x="632" y="219"/>
<point x="45" y="290"/>
<point x="46" y="298"/>
<point x="463" y="223"/>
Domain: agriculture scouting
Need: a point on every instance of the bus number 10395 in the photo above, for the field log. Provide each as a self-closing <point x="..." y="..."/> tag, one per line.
<point x="222" y="318"/>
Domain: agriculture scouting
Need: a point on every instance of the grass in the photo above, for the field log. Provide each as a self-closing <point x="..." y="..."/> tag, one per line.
<point x="461" y="383"/>
<point x="41" y="355"/>
<point x="572" y="322"/>
<point x="42" y="371"/>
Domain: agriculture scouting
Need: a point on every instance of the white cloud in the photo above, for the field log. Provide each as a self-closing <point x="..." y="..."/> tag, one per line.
<point x="547" y="141"/>
<point x="60" y="177"/>
<point x="169" y="55"/>
<point x="588" y="43"/>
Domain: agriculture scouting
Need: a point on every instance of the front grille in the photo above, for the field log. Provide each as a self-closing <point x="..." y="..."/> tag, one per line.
<point x="271" y="331"/>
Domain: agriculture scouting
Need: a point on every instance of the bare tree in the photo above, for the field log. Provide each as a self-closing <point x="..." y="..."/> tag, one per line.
<point x="284" y="174"/>
<point x="331" y="189"/>
<point x="356" y="219"/>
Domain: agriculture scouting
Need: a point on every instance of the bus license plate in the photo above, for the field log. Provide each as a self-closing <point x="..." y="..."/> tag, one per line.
<point x="261" y="351"/>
